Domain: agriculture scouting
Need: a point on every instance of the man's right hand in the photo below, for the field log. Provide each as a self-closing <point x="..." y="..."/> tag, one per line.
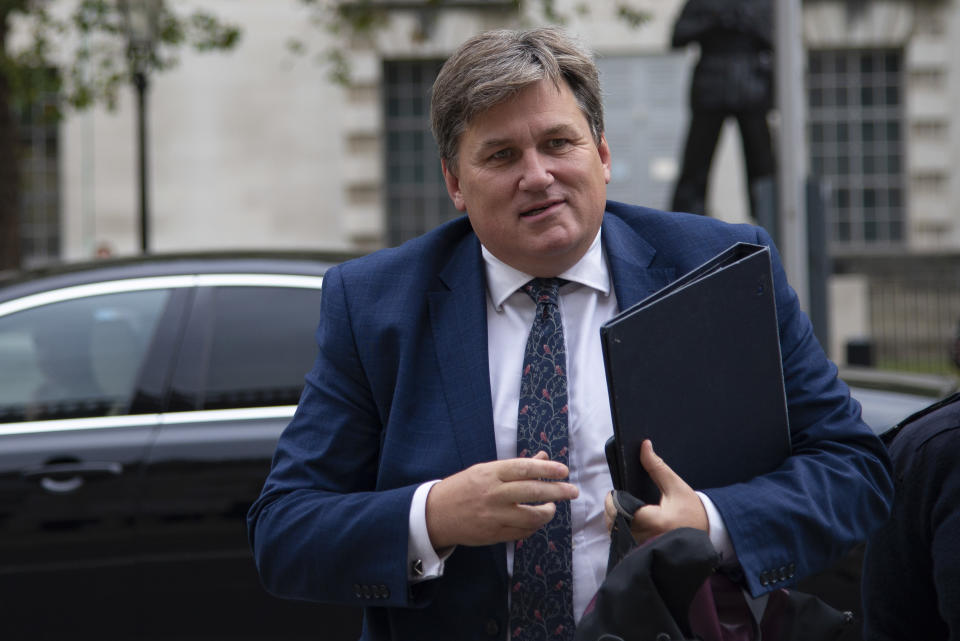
<point x="491" y="502"/>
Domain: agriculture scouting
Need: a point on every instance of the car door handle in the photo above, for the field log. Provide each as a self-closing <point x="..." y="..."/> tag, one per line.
<point x="72" y="475"/>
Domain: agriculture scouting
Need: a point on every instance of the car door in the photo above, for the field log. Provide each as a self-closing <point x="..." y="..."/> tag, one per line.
<point x="234" y="389"/>
<point x="71" y="456"/>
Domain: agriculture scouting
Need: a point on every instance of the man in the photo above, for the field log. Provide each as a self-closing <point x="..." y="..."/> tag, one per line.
<point x="911" y="569"/>
<point x="423" y="474"/>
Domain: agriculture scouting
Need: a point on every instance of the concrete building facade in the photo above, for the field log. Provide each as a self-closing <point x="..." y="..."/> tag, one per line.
<point x="258" y="149"/>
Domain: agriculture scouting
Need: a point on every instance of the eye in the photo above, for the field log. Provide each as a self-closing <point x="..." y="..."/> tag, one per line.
<point x="501" y="154"/>
<point x="558" y="143"/>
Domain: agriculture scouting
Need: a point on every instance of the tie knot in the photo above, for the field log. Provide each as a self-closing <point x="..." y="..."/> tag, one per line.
<point x="544" y="290"/>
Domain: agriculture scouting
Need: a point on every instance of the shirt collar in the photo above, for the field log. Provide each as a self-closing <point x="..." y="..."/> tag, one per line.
<point x="503" y="280"/>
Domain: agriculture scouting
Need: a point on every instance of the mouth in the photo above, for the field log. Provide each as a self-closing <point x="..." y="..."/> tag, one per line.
<point x="539" y="208"/>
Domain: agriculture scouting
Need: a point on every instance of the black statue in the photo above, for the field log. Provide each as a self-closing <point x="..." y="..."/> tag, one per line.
<point x="734" y="77"/>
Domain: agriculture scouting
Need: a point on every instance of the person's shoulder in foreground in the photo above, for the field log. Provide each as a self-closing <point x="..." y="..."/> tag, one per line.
<point x="911" y="574"/>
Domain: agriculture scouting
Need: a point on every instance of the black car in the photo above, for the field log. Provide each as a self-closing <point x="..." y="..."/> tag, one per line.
<point x="140" y="404"/>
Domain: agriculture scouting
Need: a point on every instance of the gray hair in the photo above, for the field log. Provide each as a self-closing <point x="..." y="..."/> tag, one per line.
<point x="496" y="65"/>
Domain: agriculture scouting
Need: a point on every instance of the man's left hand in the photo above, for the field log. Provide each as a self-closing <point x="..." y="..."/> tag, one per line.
<point x="679" y="504"/>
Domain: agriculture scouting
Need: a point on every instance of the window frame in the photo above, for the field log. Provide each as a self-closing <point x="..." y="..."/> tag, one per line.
<point x="418" y="202"/>
<point x="853" y="98"/>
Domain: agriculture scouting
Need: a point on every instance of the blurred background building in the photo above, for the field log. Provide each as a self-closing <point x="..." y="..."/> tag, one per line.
<point x="258" y="148"/>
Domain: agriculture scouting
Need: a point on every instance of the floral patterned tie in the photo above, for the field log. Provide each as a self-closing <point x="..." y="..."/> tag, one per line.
<point x="541" y="601"/>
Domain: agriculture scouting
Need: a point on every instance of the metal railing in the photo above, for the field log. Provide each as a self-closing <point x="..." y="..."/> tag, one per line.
<point x="913" y="305"/>
<point x="914" y="321"/>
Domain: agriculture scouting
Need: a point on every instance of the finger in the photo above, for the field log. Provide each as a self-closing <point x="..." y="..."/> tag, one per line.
<point x="524" y="520"/>
<point x="608" y="507"/>
<point x="660" y="473"/>
<point x="647" y="524"/>
<point x="534" y="516"/>
<point x="609" y="511"/>
<point x="520" y="469"/>
<point x="537" y="491"/>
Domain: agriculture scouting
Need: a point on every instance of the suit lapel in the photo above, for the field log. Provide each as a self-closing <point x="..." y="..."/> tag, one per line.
<point x="458" y="316"/>
<point x="630" y="257"/>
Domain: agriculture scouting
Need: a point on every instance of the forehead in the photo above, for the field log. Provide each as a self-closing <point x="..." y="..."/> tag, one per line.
<point x="536" y="109"/>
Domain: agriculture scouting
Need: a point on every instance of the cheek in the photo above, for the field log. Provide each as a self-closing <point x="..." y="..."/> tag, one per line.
<point x="489" y="226"/>
<point x="492" y="226"/>
<point x="489" y="194"/>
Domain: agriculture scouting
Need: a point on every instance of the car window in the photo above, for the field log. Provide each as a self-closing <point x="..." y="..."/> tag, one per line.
<point x="75" y="358"/>
<point x="261" y="345"/>
<point x="883" y="409"/>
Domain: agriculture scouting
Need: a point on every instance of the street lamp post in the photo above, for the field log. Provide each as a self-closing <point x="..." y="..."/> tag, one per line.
<point x="792" y="161"/>
<point x="140" y="19"/>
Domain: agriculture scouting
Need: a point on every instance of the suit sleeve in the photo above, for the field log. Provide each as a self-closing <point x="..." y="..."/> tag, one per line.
<point x="832" y="491"/>
<point x="322" y="529"/>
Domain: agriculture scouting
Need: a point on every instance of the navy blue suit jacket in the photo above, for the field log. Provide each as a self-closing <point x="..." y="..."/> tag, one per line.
<point x="400" y="394"/>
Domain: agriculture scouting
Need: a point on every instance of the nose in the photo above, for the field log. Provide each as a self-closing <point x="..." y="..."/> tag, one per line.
<point x="535" y="173"/>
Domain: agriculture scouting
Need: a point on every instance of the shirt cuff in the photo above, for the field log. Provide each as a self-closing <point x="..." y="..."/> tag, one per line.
<point x="718" y="533"/>
<point x="423" y="562"/>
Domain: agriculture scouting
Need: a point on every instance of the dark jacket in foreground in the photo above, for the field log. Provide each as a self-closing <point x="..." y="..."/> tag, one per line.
<point x="911" y="573"/>
<point x="400" y="394"/>
<point x="669" y="588"/>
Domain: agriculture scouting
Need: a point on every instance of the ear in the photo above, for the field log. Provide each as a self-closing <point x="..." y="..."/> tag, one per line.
<point x="604" y="150"/>
<point x="453" y="186"/>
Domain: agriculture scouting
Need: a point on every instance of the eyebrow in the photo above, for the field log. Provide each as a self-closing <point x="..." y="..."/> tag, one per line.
<point x="562" y="128"/>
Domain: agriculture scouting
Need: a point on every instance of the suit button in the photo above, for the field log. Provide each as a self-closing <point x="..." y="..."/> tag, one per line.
<point x="366" y="592"/>
<point x="782" y="573"/>
<point x="356" y="591"/>
<point x="792" y="569"/>
<point x="384" y="592"/>
<point x="491" y="627"/>
<point x="764" y="579"/>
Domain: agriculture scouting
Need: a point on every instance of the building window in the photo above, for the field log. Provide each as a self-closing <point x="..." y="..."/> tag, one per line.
<point x="39" y="181"/>
<point x="417" y="199"/>
<point x="856" y="137"/>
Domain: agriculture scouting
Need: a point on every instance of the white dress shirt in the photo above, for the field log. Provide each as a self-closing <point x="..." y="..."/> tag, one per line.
<point x="586" y="302"/>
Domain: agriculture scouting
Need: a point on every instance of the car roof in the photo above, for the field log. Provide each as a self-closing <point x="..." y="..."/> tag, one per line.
<point x="25" y="282"/>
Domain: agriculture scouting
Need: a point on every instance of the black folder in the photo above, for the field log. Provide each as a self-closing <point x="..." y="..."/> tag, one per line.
<point x="696" y="368"/>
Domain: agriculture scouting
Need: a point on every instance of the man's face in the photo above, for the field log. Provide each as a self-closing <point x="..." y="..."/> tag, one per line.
<point x="532" y="180"/>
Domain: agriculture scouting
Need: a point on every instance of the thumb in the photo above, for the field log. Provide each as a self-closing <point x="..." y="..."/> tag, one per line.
<point x="660" y="473"/>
